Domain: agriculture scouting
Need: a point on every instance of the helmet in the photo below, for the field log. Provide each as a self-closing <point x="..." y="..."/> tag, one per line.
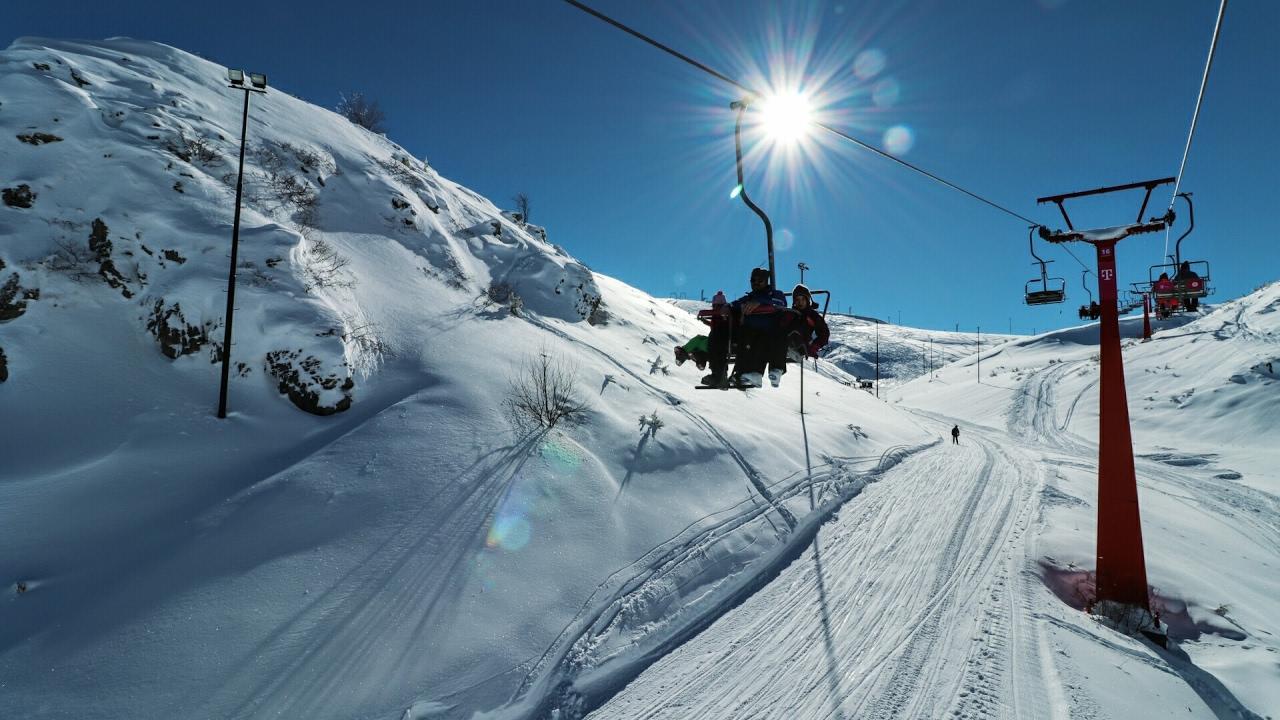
<point x="800" y="289"/>
<point x="760" y="273"/>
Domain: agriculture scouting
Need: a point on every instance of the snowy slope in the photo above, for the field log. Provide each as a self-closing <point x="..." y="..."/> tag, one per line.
<point x="413" y="550"/>
<point x="948" y="587"/>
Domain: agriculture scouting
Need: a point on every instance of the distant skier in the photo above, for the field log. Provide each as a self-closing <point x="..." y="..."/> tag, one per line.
<point x="955" y="435"/>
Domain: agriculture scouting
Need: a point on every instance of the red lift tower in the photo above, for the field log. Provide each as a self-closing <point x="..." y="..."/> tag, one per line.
<point x="1122" y="569"/>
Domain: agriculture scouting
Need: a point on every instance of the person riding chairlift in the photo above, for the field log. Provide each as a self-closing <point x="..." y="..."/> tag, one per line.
<point x="1164" y="305"/>
<point x="812" y="333"/>
<point x="750" y="319"/>
<point x="1184" y="276"/>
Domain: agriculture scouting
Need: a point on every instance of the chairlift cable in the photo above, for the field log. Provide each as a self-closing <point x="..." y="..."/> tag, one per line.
<point x="828" y="128"/>
<point x="1195" y="116"/>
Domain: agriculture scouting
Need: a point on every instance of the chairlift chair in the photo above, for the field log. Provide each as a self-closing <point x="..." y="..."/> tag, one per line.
<point x="1092" y="310"/>
<point x="709" y="316"/>
<point x="1181" y="289"/>
<point x="1046" y="295"/>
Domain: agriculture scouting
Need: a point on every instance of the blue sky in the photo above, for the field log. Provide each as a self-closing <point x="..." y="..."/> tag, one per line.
<point x="627" y="153"/>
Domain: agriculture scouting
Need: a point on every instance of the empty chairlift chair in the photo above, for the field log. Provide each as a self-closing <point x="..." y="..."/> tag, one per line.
<point x="1044" y="290"/>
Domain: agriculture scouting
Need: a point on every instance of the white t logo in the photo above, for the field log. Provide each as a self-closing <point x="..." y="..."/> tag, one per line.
<point x="1108" y="274"/>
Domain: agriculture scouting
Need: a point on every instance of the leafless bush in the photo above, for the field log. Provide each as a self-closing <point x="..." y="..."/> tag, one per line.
<point x="401" y="167"/>
<point x="277" y="188"/>
<point x="364" y="336"/>
<point x="323" y="267"/>
<point x="522" y="207"/>
<point x="195" y="150"/>
<point x="76" y="261"/>
<point x="501" y="294"/>
<point x="1128" y="619"/>
<point x="362" y="111"/>
<point x="544" y="394"/>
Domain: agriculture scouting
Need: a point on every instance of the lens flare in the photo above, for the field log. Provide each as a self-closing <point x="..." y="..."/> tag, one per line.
<point x="786" y="240"/>
<point x="898" y="139"/>
<point x="509" y="533"/>
<point x="869" y="63"/>
<point x="787" y="116"/>
<point x="885" y="93"/>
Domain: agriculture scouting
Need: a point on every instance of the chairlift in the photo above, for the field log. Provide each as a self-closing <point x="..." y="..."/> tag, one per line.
<point x="709" y="316"/>
<point x="1045" y="295"/>
<point x="1092" y="310"/>
<point x="1180" y="285"/>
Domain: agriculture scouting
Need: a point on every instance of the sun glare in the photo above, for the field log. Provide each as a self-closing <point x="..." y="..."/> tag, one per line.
<point x="786" y="117"/>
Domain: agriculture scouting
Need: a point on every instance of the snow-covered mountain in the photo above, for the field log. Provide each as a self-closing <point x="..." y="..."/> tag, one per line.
<point x="376" y="531"/>
<point x="412" y="546"/>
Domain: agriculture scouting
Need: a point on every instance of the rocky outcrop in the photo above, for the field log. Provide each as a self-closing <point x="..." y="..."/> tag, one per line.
<point x="176" y="336"/>
<point x="13" y="298"/>
<point x="306" y="384"/>
<point x="19" y="197"/>
<point x="100" y="246"/>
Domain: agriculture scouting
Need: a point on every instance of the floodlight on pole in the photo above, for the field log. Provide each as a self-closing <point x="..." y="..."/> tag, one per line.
<point x="802" y="268"/>
<point x="259" y="82"/>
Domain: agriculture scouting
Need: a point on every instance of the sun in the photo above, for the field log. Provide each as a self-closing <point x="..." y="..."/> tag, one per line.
<point x="786" y="117"/>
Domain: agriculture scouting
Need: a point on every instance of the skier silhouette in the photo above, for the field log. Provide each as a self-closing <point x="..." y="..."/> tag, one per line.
<point x="955" y="435"/>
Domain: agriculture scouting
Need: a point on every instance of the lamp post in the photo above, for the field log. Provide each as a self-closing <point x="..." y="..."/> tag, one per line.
<point x="741" y="189"/>
<point x="802" y="267"/>
<point x="877" y="358"/>
<point x="258" y="84"/>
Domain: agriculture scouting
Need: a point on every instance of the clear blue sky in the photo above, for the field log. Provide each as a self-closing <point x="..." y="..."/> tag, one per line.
<point x="627" y="153"/>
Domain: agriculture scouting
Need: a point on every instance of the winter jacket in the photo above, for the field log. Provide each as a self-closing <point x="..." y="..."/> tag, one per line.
<point x="815" y="330"/>
<point x="696" y="344"/>
<point x="769" y="302"/>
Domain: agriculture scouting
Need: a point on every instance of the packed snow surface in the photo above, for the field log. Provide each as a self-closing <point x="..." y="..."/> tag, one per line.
<point x="373" y="533"/>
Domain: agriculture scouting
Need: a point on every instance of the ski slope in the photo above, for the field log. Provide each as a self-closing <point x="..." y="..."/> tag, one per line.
<point x="944" y="589"/>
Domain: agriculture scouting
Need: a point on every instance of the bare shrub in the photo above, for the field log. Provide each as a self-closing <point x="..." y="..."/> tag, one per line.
<point x="323" y="267"/>
<point x="195" y="150"/>
<point x="1128" y="619"/>
<point x="74" y="260"/>
<point x="277" y="188"/>
<point x="502" y="295"/>
<point x="544" y="394"/>
<point x="364" y="336"/>
<point x="362" y="111"/>
<point x="522" y="207"/>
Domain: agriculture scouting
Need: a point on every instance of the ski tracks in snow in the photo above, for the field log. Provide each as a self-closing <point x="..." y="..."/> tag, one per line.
<point x="913" y="603"/>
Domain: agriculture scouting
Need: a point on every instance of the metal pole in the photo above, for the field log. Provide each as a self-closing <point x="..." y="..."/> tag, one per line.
<point x="1146" y="317"/>
<point x="1122" y="572"/>
<point x="979" y="354"/>
<point x="741" y="106"/>
<point x="877" y="358"/>
<point x="231" y="278"/>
